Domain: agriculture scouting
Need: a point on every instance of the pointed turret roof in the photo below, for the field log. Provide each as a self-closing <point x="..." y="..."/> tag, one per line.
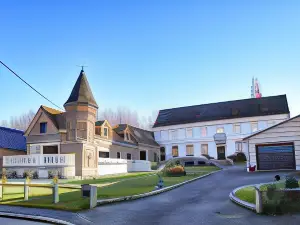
<point x="81" y="92"/>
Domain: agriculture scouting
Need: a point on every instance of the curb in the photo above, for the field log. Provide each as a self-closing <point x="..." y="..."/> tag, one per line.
<point x="133" y="197"/>
<point x="241" y="202"/>
<point x="36" y="218"/>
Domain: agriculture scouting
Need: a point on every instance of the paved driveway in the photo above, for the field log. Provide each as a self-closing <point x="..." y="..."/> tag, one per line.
<point x="10" y="221"/>
<point x="201" y="202"/>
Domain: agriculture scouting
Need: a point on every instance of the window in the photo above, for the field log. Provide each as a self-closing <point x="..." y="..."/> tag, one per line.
<point x="236" y="128"/>
<point x="43" y="128"/>
<point x="189" y="150"/>
<point x="271" y="123"/>
<point x="254" y="127"/>
<point x="204" y="149"/>
<point x="173" y="134"/>
<point x="175" y="151"/>
<point x="70" y="131"/>
<point x="204" y="131"/>
<point x="98" y="130"/>
<point x="103" y="154"/>
<point x="220" y="130"/>
<point x="239" y="146"/>
<point x="81" y="130"/>
<point x="105" y="132"/>
<point x="128" y="156"/>
<point x="189" y="132"/>
<point x="118" y="155"/>
<point x="127" y="136"/>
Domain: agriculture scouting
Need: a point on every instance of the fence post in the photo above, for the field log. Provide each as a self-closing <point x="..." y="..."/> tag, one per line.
<point x="93" y="196"/>
<point x="26" y="190"/>
<point x="55" y="194"/>
<point x="258" y="202"/>
<point x="1" y="191"/>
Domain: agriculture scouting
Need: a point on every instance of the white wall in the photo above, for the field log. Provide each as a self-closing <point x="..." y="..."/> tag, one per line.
<point x="162" y="134"/>
<point x="138" y="166"/>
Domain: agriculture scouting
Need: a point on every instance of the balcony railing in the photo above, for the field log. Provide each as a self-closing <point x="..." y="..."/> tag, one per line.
<point x="39" y="160"/>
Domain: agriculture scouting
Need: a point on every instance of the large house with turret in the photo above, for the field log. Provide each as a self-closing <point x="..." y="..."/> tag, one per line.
<point x="76" y="144"/>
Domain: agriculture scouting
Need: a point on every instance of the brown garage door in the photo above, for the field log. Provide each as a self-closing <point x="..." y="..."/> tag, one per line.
<point x="275" y="156"/>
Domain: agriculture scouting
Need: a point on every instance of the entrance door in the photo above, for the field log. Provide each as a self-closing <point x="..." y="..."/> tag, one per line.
<point x="221" y="152"/>
<point x="142" y="155"/>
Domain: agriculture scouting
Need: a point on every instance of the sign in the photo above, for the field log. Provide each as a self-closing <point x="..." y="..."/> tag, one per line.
<point x="85" y="190"/>
<point x="220" y="138"/>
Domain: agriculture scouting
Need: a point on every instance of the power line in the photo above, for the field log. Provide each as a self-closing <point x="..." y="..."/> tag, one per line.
<point x="29" y="85"/>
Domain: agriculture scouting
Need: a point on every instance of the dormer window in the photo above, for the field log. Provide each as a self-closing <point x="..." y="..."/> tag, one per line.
<point x="105" y="132"/>
<point x="43" y="127"/>
<point x="127" y="136"/>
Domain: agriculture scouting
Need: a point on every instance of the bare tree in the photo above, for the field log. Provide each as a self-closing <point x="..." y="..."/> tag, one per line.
<point x="123" y="115"/>
<point x="19" y="122"/>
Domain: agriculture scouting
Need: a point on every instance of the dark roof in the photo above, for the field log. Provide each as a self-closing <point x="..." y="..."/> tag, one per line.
<point x="12" y="139"/>
<point x="57" y="117"/>
<point x="140" y="135"/>
<point x="81" y="92"/>
<point x="223" y="110"/>
<point x="261" y="131"/>
<point x="99" y="122"/>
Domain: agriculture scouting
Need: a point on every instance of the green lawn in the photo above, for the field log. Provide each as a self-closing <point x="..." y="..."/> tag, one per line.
<point x="201" y="168"/>
<point x="125" y="185"/>
<point x="111" y="178"/>
<point x="246" y="194"/>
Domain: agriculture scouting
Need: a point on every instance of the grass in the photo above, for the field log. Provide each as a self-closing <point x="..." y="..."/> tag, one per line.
<point x="71" y="200"/>
<point x="246" y="194"/>
<point x="111" y="178"/>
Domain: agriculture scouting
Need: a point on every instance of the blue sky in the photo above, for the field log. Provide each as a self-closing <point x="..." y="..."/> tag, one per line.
<point x="149" y="55"/>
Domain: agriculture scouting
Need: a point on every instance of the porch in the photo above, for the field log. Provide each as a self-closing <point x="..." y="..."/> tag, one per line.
<point x="42" y="163"/>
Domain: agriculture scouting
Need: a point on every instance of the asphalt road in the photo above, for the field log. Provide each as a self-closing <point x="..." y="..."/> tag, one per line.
<point x="10" y="221"/>
<point x="204" y="201"/>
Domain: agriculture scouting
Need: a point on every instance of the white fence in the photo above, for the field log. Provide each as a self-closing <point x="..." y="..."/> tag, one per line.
<point x="62" y="160"/>
<point x="114" y="166"/>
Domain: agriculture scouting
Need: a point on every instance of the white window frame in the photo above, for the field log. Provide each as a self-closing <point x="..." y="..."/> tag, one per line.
<point x="203" y="131"/>
<point x="186" y="150"/>
<point x="120" y="155"/>
<point x="235" y="128"/>
<point x="173" y="134"/>
<point x="187" y="130"/>
<point x="222" y="129"/>
<point x="204" y="144"/>
<point x="106" y="132"/>
<point x="252" y="127"/>
<point x="239" y="146"/>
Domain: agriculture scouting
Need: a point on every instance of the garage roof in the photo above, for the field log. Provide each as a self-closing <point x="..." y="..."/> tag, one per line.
<point x="276" y="125"/>
<point x="223" y="110"/>
<point x="12" y="139"/>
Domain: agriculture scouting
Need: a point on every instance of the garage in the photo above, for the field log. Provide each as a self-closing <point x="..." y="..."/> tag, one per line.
<point x="274" y="148"/>
<point x="276" y="156"/>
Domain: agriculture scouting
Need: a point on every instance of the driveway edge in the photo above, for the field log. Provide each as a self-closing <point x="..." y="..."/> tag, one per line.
<point x="240" y="202"/>
<point x="35" y="218"/>
<point x="133" y="197"/>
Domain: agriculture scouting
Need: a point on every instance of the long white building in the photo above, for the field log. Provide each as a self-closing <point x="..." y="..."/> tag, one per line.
<point x="216" y="129"/>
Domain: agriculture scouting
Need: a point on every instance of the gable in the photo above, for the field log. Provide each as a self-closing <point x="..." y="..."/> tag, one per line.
<point x="41" y="117"/>
<point x="288" y="128"/>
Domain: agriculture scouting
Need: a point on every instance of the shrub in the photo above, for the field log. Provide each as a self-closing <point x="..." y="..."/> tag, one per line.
<point x="175" y="171"/>
<point x="35" y="175"/>
<point x="28" y="174"/>
<point x="291" y="182"/>
<point x="12" y="175"/>
<point x="207" y="156"/>
<point x="154" y="165"/>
